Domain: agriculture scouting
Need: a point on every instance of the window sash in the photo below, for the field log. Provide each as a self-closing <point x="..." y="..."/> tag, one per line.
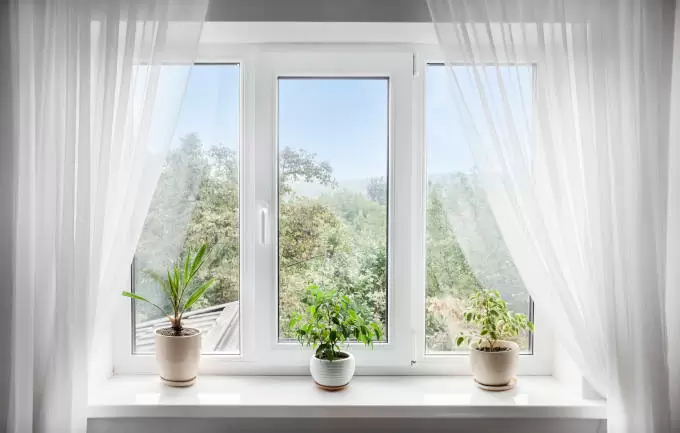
<point x="396" y="67"/>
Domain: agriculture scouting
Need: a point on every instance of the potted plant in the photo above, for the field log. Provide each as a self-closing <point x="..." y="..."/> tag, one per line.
<point x="493" y="359"/>
<point x="178" y="349"/>
<point x="330" y="320"/>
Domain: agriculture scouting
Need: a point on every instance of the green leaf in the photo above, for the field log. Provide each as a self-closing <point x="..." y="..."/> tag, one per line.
<point x="197" y="294"/>
<point x="141" y="298"/>
<point x="376" y="329"/>
<point x="460" y="340"/>
<point x="173" y="287"/>
<point x="161" y="282"/>
<point x="294" y="321"/>
<point x="185" y="274"/>
<point x="175" y="271"/>
<point x="198" y="260"/>
<point x="135" y="296"/>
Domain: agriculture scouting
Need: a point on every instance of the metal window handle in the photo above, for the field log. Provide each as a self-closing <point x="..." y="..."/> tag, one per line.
<point x="263" y="226"/>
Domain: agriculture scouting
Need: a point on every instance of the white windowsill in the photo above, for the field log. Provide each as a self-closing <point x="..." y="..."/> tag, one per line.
<point x="366" y="397"/>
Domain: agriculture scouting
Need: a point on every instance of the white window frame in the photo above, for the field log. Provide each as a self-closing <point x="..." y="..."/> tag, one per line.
<point x="260" y="66"/>
<point x="316" y="62"/>
<point x="124" y="361"/>
<point x="537" y="362"/>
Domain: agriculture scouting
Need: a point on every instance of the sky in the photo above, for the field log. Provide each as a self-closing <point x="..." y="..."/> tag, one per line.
<point x="211" y="105"/>
<point x="344" y="121"/>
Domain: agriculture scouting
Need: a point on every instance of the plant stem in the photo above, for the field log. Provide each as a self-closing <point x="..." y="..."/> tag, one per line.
<point x="486" y="310"/>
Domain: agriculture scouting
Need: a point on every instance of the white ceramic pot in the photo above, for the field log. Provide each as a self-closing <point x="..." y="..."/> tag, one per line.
<point x="178" y="357"/>
<point x="494" y="368"/>
<point x="334" y="374"/>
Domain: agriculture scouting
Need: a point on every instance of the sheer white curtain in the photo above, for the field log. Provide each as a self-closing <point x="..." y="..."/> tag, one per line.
<point x="575" y="171"/>
<point x="673" y="270"/>
<point x="97" y="87"/>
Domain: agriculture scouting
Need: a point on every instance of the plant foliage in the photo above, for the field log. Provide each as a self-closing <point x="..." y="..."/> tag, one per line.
<point x="491" y="321"/>
<point x="330" y="320"/>
<point x="179" y="287"/>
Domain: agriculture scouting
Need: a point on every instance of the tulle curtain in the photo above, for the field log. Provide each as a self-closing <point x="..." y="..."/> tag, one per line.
<point x="575" y="171"/>
<point x="97" y="87"/>
<point x="673" y="248"/>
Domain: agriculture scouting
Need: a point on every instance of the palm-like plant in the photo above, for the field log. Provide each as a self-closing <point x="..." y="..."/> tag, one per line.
<point x="178" y="286"/>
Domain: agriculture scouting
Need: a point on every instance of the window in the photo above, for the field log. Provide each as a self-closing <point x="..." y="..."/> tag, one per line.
<point x="333" y="170"/>
<point x="465" y="250"/>
<point x="327" y="144"/>
<point x="327" y="165"/>
<point x="197" y="201"/>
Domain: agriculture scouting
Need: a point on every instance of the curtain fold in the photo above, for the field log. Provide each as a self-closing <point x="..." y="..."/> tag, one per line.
<point x="673" y="271"/>
<point x="575" y="171"/>
<point x="97" y="87"/>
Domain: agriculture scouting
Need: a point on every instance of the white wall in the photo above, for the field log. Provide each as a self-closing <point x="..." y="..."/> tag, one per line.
<point x="327" y="425"/>
<point x="320" y="10"/>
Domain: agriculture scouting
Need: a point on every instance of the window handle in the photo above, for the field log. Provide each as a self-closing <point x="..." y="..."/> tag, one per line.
<point x="263" y="226"/>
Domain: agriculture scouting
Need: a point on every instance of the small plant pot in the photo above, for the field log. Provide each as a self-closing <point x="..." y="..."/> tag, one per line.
<point x="178" y="356"/>
<point x="332" y="375"/>
<point x="494" y="368"/>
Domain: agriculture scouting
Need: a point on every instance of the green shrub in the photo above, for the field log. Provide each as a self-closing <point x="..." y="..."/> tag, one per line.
<point x="330" y="320"/>
<point x="490" y="321"/>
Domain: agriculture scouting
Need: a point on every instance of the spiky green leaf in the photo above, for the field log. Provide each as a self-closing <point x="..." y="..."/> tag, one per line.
<point x="198" y="260"/>
<point x="185" y="274"/>
<point x="143" y="299"/>
<point x="198" y="293"/>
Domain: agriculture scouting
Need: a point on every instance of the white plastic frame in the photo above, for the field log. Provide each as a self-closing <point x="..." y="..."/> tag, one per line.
<point x="540" y="360"/>
<point x="261" y="353"/>
<point x="329" y="62"/>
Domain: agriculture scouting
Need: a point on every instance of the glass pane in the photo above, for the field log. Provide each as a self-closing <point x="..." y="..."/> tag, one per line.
<point x="333" y="166"/>
<point x="197" y="201"/>
<point x="464" y="247"/>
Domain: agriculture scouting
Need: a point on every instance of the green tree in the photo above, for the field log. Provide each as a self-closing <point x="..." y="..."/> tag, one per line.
<point x="448" y="272"/>
<point x="310" y="234"/>
<point x="196" y="201"/>
<point x="297" y="165"/>
<point x="376" y="190"/>
<point x="337" y="237"/>
<point x="170" y="213"/>
<point x="215" y="221"/>
<point x="488" y="254"/>
<point x="458" y="213"/>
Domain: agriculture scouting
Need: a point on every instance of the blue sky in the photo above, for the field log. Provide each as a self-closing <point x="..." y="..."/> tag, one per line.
<point x="343" y="121"/>
<point x="211" y="105"/>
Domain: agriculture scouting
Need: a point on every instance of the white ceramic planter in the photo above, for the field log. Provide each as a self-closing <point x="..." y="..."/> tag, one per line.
<point x="178" y="358"/>
<point x="494" y="368"/>
<point x="334" y="374"/>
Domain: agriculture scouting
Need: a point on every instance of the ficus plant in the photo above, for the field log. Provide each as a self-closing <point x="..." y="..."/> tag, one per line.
<point x="179" y="287"/>
<point x="329" y="320"/>
<point x="490" y="321"/>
